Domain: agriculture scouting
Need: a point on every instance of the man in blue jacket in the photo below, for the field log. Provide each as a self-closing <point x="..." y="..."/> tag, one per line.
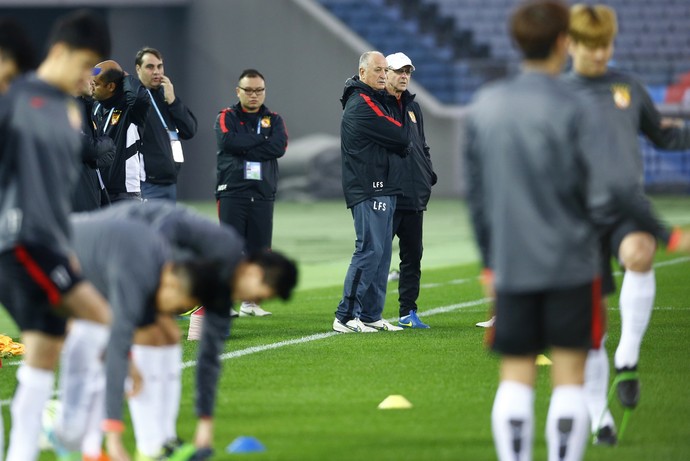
<point x="372" y="146"/>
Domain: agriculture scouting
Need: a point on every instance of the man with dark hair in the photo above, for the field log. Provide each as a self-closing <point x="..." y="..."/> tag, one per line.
<point x="140" y="280"/>
<point x="156" y="350"/>
<point x="530" y="207"/>
<point x="16" y="52"/>
<point x="121" y="110"/>
<point x="40" y="147"/>
<point x="372" y="144"/>
<point x="168" y="122"/>
<point x="250" y="141"/>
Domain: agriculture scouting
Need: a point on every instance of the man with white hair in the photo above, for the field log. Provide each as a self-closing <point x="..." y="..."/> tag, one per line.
<point x="417" y="178"/>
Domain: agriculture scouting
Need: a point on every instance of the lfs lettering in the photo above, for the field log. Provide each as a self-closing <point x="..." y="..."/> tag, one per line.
<point x="379" y="206"/>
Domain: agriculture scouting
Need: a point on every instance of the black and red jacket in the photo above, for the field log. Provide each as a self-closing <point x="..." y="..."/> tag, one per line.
<point x="372" y="144"/>
<point x="248" y="137"/>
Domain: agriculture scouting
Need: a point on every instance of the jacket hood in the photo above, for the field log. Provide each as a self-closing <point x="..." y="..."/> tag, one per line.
<point x="351" y="84"/>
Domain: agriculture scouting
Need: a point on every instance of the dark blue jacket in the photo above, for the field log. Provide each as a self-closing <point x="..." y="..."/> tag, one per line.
<point x="417" y="173"/>
<point x="243" y="137"/>
<point x="372" y="144"/>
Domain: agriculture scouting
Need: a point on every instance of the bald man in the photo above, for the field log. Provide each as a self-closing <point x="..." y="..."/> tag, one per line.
<point x="120" y="111"/>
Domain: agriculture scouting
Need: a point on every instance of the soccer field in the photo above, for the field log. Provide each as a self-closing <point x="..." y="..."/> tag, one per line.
<point x="307" y="393"/>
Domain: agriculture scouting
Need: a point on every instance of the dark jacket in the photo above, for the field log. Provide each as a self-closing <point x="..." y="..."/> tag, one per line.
<point x="372" y="144"/>
<point x="113" y="117"/>
<point x="243" y="137"/>
<point x="40" y="149"/>
<point x="98" y="153"/>
<point x="155" y="142"/>
<point x="417" y="173"/>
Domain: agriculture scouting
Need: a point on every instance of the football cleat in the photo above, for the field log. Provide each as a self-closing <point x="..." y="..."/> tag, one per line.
<point x="352" y="326"/>
<point x="628" y="387"/>
<point x="411" y="321"/>
<point x="605" y="436"/>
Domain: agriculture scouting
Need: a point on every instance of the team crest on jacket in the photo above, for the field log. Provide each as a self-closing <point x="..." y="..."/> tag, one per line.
<point x="266" y="122"/>
<point x="621" y="95"/>
<point x="412" y="117"/>
<point x="116" y="117"/>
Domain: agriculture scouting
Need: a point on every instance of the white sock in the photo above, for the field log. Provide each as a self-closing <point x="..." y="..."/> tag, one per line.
<point x="196" y="322"/>
<point x="597" y="386"/>
<point x="512" y="421"/>
<point x="144" y="408"/>
<point x="93" y="439"/>
<point x="172" y="389"/>
<point x="81" y="366"/>
<point x="567" y="424"/>
<point x="34" y="388"/>
<point x="636" y="302"/>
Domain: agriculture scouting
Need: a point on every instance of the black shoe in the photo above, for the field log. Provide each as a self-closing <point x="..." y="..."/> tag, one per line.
<point x="605" y="436"/>
<point x="170" y="446"/>
<point x="628" y="387"/>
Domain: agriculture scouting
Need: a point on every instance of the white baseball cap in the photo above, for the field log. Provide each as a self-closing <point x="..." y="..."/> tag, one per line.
<point x="397" y="61"/>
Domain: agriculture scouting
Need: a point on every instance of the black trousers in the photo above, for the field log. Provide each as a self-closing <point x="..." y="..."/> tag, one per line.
<point x="252" y="219"/>
<point x="407" y="225"/>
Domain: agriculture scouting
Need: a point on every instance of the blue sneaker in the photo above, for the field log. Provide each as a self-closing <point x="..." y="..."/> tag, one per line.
<point x="412" y="321"/>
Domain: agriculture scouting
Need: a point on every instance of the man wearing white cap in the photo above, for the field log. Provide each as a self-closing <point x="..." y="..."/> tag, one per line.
<point x="417" y="178"/>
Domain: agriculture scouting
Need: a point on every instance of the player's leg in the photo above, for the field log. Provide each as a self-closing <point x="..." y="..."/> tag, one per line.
<point x="171" y="377"/>
<point x="636" y="253"/>
<point x="597" y="365"/>
<point x="574" y="323"/>
<point x="512" y="414"/>
<point x="35" y="382"/>
<point x="81" y="369"/>
<point x="145" y="408"/>
<point x="596" y="390"/>
<point x="518" y="339"/>
<point x="567" y="422"/>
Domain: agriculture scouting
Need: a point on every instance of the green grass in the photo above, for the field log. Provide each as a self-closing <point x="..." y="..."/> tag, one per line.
<point x="317" y="400"/>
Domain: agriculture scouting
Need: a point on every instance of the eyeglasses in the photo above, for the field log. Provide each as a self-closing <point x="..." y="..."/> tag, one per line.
<point x="401" y="71"/>
<point x="256" y="91"/>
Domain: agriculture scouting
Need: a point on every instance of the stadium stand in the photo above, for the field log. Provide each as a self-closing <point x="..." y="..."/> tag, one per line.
<point x="457" y="45"/>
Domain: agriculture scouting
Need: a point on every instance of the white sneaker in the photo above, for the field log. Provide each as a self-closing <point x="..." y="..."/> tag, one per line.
<point x="393" y="275"/>
<point x="488" y="324"/>
<point x="383" y="325"/>
<point x="251" y="309"/>
<point x="352" y="326"/>
<point x="234" y="313"/>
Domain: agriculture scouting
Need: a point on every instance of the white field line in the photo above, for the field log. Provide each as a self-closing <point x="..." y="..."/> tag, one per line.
<point x="317" y="336"/>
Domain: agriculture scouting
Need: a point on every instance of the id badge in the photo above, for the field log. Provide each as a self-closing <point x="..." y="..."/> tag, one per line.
<point x="176" y="145"/>
<point x="252" y="170"/>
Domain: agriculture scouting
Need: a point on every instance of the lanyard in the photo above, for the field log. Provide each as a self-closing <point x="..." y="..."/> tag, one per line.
<point x="155" y="106"/>
<point x="107" y="121"/>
